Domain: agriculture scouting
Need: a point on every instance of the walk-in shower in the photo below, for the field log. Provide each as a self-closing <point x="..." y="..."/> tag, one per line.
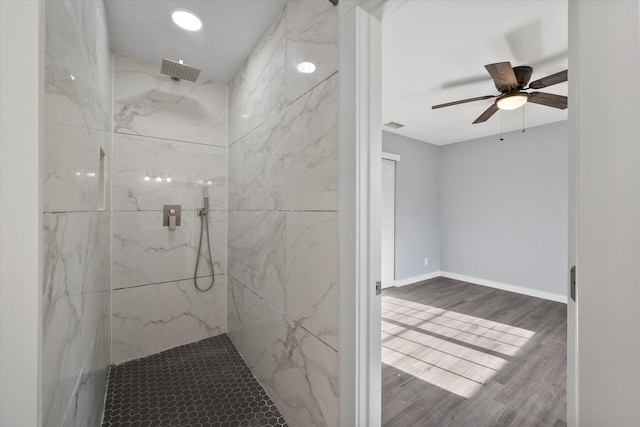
<point x="236" y="297"/>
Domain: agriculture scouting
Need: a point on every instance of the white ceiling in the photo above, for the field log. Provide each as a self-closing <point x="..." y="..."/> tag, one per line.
<point x="429" y="45"/>
<point x="230" y="30"/>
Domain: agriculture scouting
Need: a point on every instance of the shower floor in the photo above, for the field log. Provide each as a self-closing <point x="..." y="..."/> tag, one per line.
<point x="201" y="384"/>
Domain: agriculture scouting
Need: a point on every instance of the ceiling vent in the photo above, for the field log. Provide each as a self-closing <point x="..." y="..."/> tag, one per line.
<point x="394" y="125"/>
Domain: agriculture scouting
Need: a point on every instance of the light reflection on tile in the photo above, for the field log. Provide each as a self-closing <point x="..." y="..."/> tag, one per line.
<point x="258" y="90"/>
<point x="189" y="167"/>
<point x="312" y="36"/>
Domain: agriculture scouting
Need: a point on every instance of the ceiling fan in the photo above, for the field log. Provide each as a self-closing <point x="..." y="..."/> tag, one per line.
<point x="511" y="82"/>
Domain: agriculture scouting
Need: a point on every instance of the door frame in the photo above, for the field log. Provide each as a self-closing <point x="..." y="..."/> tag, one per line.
<point x="360" y="105"/>
<point x="360" y="150"/>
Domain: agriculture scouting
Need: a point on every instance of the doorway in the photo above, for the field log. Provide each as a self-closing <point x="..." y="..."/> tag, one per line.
<point x="478" y="243"/>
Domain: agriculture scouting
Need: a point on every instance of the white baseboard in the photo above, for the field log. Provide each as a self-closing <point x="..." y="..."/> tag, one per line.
<point x="506" y="287"/>
<point x="416" y="279"/>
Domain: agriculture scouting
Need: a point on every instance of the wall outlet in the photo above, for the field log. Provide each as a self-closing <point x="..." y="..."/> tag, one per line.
<point x="426" y="261"/>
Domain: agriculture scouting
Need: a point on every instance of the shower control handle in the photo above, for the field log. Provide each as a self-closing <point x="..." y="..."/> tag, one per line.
<point x="171" y="216"/>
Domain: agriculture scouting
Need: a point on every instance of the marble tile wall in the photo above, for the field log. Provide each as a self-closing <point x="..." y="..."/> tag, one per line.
<point x="76" y="221"/>
<point x="282" y="297"/>
<point x="169" y="140"/>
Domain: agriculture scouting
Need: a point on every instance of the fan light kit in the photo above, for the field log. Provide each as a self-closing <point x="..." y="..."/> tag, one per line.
<point x="512" y="101"/>
<point x="186" y="19"/>
<point x="511" y="82"/>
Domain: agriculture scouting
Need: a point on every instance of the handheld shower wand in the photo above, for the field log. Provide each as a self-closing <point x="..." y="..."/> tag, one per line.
<point x="204" y="224"/>
<point x="205" y="194"/>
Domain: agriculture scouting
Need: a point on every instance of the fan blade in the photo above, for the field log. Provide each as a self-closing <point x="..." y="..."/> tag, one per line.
<point x="502" y="73"/>
<point x="462" y="101"/>
<point x="548" y="99"/>
<point x="466" y="81"/>
<point x="487" y="114"/>
<point x="549" y="80"/>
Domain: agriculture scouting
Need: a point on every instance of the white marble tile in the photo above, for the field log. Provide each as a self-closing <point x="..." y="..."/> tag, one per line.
<point x="87" y="404"/>
<point x="77" y="65"/>
<point x="236" y="175"/>
<point x="256" y="251"/>
<point x="148" y="103"/>
<point x="291" y="161"/>
<point x="87" y="401"/>
<point x="263" y="162"/>
<point x="71" y="167"/>
<point x="312" y="273"/>
<point x="309" y="166"/>
<point x="144" y="251"/>
<point x="76" y="253"/>
<point x="188" y="167"/>
<point x="76" y="220"/>
<point x="258" y="90"/>
<point x="72" y="326"/>
<point x="312" y="36"/>
<point x="150" y="319"/>
<point x="298" y="371"/>
<point x="235" y="308"/>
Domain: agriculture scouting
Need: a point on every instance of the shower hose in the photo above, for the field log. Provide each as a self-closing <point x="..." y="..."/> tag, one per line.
<point x="204" y="224"/>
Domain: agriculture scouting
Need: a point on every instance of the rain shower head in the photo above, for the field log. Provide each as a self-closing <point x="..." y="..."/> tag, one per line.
<point x="179" y="71"/>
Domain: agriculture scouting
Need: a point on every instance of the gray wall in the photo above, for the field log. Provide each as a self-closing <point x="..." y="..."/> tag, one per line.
<point x="417" y="216"/>
<point x="489" y="209"/>
<point x="503" y="208"/>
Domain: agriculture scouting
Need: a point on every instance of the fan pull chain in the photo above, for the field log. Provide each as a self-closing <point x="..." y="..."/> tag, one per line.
<point x="501" y="138"/>
<point x="523" y="119"/>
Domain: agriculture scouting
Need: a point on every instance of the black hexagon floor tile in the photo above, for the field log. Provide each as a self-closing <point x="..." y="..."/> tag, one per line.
<point x="201" y="384"/>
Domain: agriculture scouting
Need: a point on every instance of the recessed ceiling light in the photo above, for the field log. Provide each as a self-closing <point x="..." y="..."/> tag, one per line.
<point x="306" y="67"/>
<point x="186" y="19"/>
<point x="72" y="76"/>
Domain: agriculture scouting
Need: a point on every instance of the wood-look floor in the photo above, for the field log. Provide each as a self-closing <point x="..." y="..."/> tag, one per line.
<point x="458" y="354"/>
